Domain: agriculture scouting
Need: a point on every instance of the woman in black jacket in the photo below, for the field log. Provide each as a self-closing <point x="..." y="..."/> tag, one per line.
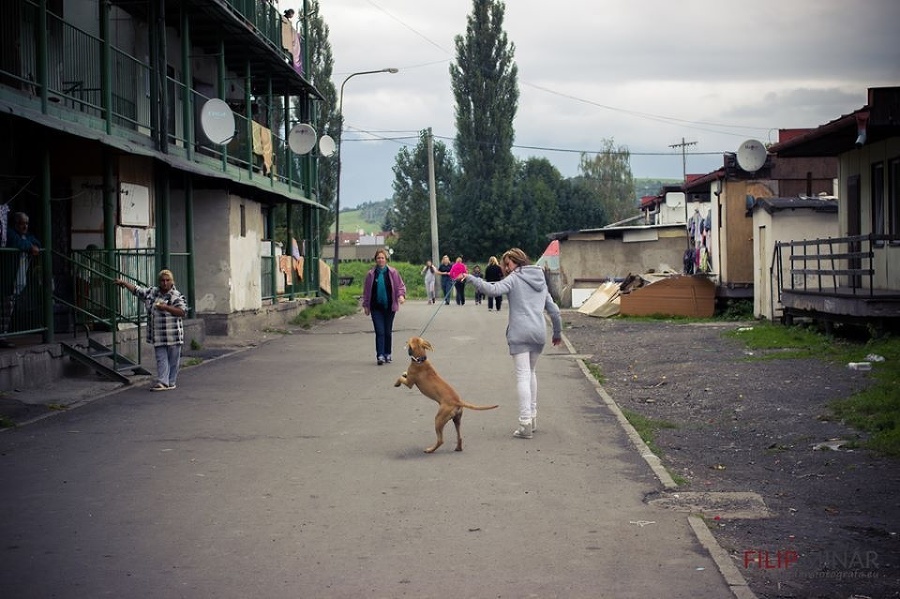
<point x="492" y="274"/>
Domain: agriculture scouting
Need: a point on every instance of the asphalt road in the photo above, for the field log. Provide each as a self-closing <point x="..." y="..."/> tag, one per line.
<point x="295" y="469"/>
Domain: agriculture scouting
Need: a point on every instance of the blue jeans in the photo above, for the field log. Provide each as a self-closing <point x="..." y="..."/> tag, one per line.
<point x="446" y="287"/>
<point x="383" y="321"/>
<point x="167" y="360"/>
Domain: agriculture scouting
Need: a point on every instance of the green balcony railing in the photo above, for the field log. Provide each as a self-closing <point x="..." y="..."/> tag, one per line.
<point x="75" y="92"/>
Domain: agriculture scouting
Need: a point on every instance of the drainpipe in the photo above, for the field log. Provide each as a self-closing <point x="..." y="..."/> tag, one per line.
<point x="106" y="67"/>
<point x="43" y="62"/>
<point x="189" y="237"/>
<point x="163" y="72"/>
<point x="187" y="105"/>
<point x="46" y="256"/>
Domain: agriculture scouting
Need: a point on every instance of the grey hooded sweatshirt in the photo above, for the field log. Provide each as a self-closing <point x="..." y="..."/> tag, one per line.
<point x="526" y="289"/>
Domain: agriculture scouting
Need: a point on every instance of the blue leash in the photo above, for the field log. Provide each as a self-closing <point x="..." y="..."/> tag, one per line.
<point x="446" y="299"/>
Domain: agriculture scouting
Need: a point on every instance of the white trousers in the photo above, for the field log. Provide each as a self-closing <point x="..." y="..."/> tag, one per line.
<point x="526" y="384"/>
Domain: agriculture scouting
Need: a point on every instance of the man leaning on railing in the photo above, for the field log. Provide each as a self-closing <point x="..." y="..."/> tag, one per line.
<point x="17" y="236"/>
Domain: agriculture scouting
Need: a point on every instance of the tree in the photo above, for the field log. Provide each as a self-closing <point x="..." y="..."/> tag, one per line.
<point x="538" y="185"/>
<point x="608" y="176"/>
<point x="412" y="203"/>
<point x="325" y="119"/>
<point x="579" y="208"/>
<point x="485" y="87"/>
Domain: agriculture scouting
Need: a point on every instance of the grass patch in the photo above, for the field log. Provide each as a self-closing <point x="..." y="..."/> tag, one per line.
<point x="192" y="362"/>
<point x="647" y="429"/>
<point x="276" y="331"/>
<point x="327" y="311"/>
<point x="874" y="410"/>
<point x="677" y="478"/>
<point x="195" y="345"/>
<point x="776" y="341"/>
<point x="595" y="371"/>
<point x="6" y="422"/>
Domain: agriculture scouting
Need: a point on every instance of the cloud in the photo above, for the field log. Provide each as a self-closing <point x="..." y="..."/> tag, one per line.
<point x="646" y="73"/>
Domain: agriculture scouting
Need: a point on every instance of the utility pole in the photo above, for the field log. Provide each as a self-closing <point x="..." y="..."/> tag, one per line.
<point x="432" y="197"/>
<point x="683" y="145"/>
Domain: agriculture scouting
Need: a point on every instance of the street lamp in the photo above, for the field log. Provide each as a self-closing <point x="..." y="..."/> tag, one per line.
<point x="337" y="187"/>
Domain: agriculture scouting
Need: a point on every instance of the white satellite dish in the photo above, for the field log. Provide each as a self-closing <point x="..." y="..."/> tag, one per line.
<point x="675" y="199"/>
<point x="302" y="138"/>
<point x="217" y="121"/>
<point x="751" y="155"/>
<point x="326" y="145"/>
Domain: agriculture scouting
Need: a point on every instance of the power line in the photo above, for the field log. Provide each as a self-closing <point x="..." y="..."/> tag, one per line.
<point x="683" y="145"/>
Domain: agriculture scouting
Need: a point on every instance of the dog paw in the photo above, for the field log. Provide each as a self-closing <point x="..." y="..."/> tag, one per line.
<point x="398" y="383"/>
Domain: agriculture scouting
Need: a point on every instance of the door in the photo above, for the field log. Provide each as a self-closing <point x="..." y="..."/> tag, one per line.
<point x="854" y="227"/>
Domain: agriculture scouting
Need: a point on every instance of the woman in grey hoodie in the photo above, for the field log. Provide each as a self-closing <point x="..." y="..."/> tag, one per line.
<point x="528" y="297"/>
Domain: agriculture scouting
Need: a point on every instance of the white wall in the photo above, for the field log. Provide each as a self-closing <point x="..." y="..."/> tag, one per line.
<point x="784" y="225"/>
<point x="227" y="264"/>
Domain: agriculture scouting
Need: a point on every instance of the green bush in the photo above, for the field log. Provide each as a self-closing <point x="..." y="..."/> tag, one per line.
<point x="415" y="282"/>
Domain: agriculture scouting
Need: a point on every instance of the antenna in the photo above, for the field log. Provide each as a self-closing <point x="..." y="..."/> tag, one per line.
<point x="326" y="145"/>
<point x="217" y="121"/>
<point x="302" y="138"/>
<point x="751" y="155"/>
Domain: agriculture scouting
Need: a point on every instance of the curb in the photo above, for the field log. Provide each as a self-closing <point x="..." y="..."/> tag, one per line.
<point x="733" y="577"/>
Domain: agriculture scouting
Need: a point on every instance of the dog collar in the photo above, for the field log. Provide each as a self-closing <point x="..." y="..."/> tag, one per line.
<point x="419" y="360"/>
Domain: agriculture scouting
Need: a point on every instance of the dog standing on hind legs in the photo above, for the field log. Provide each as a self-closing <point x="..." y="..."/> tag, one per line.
<point x="423" y="375"/>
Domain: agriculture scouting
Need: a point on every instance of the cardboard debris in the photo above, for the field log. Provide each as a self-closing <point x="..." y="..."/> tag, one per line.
<point x="652" y="294"/>
<point x="604" y="302"/>
<point x="681" y="295"/>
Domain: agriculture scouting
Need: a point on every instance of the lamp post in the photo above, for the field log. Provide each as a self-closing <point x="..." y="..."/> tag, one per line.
<point x="337" y="187"/>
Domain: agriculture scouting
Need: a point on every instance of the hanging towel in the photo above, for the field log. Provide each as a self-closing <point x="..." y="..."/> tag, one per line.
<point x="262" y="145"/>
<point x="284" y="265"/>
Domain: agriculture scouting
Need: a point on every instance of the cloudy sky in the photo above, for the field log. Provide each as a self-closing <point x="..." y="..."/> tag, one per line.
<point x="648" y="74"/>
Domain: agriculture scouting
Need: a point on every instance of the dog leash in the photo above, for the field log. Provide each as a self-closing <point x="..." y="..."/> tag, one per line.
<point x="446" y="299"/>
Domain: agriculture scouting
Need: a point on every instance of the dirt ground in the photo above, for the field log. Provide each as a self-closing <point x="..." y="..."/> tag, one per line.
<point x="750" y="425"/>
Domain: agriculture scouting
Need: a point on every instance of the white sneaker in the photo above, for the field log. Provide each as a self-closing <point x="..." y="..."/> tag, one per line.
<point x="523" y="432"/>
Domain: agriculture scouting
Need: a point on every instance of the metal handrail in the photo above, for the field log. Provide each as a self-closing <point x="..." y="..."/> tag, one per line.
<point x="95" y="297"/>
<point x="844" y="262"/>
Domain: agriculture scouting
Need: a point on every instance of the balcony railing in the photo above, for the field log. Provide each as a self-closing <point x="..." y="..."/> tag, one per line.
<point x="74" y="87"/>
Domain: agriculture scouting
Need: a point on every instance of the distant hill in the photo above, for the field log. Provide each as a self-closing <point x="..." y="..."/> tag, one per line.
<point x="370" y="216"/>
<point x="651" y="187"/>
<point x="354" y="220"/>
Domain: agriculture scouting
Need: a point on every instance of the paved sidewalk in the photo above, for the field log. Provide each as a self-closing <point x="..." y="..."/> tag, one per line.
<point x="296" y="469"/>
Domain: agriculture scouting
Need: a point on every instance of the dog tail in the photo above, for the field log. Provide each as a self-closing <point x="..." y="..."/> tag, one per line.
<point x="474" y="407"/>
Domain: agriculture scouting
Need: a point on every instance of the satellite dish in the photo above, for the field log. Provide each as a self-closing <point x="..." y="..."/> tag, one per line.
<point x="326" y="145"/>
<point x="751" y="156"/>
<point x="675" y="199"/>
<point x="302" y="138"/>
<point x="217" y="121"/>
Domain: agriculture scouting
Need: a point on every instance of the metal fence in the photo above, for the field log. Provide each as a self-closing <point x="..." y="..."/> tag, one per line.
<point x="21" y="307"/>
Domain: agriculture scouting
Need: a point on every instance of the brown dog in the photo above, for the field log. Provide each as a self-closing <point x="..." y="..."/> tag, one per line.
<point x="423" y="375"/>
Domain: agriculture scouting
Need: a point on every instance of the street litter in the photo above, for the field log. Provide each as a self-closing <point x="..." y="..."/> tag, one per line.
<point x="874" y="358"/>
<point x="833" y="445"/>
<point x="641" y="523"/>
<point x="860" y="366"/>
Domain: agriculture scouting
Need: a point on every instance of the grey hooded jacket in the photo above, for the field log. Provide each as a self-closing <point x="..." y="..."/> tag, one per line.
<point x="526" y="289"/>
